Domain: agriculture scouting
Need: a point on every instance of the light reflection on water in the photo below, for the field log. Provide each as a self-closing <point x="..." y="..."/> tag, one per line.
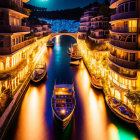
<point x="92" y="120"/>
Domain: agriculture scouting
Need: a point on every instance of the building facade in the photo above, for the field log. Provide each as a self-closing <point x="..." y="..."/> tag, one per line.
<point x="85" y="22"/>
<point x="124" y="57"/>
<point x="99" y="31"/>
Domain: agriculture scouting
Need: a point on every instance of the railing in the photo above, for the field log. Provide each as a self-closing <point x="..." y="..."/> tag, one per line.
<point x="124" y="45"/>
<point x="100" y="27"/>
<point x="117" y="70"/>
<point x="22" y="45"/>
<point x="80" y="30"/>
<point x="84" y="20"/>
<point x="14" y="6"/>
<point x="99" y="37"/>
<point x="123" y="63"/>
<point x="125" y="29"/>
<point x="125" y="15"/>
<point x="16" y="47"/>
<point x="12" y="29"/>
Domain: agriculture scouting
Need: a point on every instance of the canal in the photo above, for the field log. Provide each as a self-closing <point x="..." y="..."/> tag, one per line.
<point x="92" y="119"/>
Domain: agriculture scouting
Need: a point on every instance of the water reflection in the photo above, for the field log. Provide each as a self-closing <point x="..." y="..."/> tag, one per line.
<point x="31" y="120"/>
<point x="92" y="119"/>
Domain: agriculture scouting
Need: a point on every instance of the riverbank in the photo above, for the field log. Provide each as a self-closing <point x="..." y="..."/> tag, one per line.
<point x="21" y="86"/>
<point x="87" y="59"/>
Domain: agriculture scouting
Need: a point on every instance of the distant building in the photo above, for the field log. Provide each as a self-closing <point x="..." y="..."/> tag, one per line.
<point x="85" y="22"/>
<point x="99" y="31"/>
<point x="40" y="30"/>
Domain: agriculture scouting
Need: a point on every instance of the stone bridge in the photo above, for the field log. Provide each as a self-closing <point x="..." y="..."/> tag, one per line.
<point x="53" y="35"/>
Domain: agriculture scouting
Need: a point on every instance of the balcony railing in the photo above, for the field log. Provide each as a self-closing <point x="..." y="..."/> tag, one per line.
<point x="100" y="27"/>
<point x="81" y="30"/>
<point x="21" y="45"/>
<point x="12" y="29"/>
<point x="124" y="45"/>
<point x="125" y="29"/>
<point x="99" y="37"/>
<point x="117" y="70"/>
<point x="123" y="63"/>
<point x="126" y="15"/>
<point x="14" y="6"/>
<point x="84" y="20"/>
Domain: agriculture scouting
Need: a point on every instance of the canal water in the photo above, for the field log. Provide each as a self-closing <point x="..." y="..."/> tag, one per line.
<point x="92" y="119"/>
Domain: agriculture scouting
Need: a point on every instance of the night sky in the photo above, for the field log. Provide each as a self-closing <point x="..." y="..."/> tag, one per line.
<point x="52" y="5"/>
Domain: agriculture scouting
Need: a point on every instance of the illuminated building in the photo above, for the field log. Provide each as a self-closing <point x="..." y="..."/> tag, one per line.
<point x="124" y="48"/>
<point x="85" y="22"/>
<point x="99" y="29"/>
<point x="40" y="30"/>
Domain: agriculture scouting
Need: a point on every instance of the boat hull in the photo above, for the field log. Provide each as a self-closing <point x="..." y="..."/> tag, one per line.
<point x="119" y="115"/>
<point x="76" y="58"/>
<point x="43" y="76"/>
<point x="50" y="45"/>
<point x="96" y="86"/>
<point x="62" y="124"/>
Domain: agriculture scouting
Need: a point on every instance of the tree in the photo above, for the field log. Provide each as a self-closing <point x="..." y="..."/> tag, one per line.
<point x="134" y="97"/>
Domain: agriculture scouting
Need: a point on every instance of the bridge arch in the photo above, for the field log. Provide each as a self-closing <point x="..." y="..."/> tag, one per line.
<point x="53" y="35"/>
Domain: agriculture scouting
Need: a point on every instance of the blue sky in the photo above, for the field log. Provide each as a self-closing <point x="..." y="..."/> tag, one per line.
<point x="61" y="4"/>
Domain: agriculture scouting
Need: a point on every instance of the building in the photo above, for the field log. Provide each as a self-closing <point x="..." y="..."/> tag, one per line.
<point x="85" y="22"/>
<point x="12" y="33"/>
<point x="40" y="30"/>
<point x="124" y="57"/>
<point x="99" y="31"/>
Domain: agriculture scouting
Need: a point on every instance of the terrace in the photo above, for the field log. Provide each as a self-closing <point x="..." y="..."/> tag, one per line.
<point x="123" y="63"/>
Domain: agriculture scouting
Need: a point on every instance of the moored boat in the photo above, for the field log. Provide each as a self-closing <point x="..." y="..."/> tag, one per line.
<point x="50" y="43"/>
<point x="96" y="82"/>
<point x="121" y="110"/>
<point x="75" y="63"/>
<point x="39" y="73"/>
<point x="75" y="53"/>
<point x="63" y="104"/>
<point x="69" y="51"/>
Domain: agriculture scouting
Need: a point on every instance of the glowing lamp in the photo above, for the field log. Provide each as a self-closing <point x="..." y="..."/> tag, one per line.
<point x="63" y="111"/>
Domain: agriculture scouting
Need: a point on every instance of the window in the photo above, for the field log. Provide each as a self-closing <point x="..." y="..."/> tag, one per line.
<point x="1" y="44"/>
<point x="132" y="56"/>
<point x="126" y="7"/>
<point x="133" y="6"/>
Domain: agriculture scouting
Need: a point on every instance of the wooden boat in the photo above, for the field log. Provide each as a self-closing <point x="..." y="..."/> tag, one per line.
<point x="96" y="82"/>
<point x="76" y="56"/>
<point x="63" y="104"/>
<point x="121" y="110"/>
<point x="76" y="63"/>
<point x="39" y="73"/>
<point x="69" y="51"/>
<point x="50" y="43"/>
<point x="75" y="53"/>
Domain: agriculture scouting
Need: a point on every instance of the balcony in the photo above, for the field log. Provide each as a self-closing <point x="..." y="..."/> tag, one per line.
<point x="81" y="30"/>
<point x="124" y="45"/>
<point x="123" y="63"/>
<point x="4" y="51"/>
<point x="99" y="37"/>
<point x="99" y="27"/>
<point x="124" y="29"/>
<point x="127" y="15"/>
<point x="13" y="29"/>
<point x="84" y="20"/>
<point x="120" y="72"/>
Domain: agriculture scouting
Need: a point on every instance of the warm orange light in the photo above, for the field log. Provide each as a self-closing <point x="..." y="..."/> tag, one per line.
<point x="63" y="111"/>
